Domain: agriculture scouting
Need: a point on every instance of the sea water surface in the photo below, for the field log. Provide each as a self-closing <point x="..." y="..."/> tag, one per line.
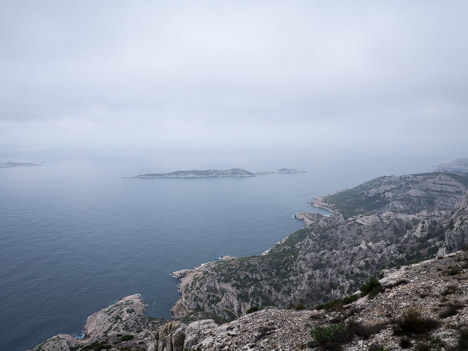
<point x="75" y="239"/>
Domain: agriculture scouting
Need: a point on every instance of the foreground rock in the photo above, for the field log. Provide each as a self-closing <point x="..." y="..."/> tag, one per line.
<point x="123" y="324"/>
<point x="435" y="292"/>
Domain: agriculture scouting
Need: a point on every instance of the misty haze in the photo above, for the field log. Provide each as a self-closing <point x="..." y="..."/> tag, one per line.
<point x="233" y="175"/>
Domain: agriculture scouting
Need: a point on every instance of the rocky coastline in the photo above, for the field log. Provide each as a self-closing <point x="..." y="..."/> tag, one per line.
<point x="375" y="228"/>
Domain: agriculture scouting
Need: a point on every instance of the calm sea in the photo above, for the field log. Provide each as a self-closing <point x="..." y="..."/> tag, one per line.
<point x="75" y="239"/>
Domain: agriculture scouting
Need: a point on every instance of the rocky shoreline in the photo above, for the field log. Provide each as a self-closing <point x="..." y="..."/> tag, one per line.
<point x="401" y="220"/>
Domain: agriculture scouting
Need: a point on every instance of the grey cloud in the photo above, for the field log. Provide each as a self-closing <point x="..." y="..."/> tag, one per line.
<point x="224" y="71"/>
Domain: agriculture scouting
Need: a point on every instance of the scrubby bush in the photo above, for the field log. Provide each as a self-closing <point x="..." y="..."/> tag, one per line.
<point x="422" y="347"/>
<point x="253" y="309"/>
<point x="330" y="337"/>
<point x="450" y="310"/>
<point x="450" y="290"/>
<point x="405" y="342"/>
<point x="364" y="331"/>
<point x="300" y="307"/>
<point x="333" y="336"/>
<point x="463" y="339"/>
<point x="127" y="337"/>
<point x="414" y="323"/>
<point x="371" y="288"/>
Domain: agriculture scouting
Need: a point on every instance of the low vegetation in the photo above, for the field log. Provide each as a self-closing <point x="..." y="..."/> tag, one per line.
<point x="414" y="323"/>
<point x="253" y="309"/>
<point x="371" y="288"/>
<point x="333" y="337"/>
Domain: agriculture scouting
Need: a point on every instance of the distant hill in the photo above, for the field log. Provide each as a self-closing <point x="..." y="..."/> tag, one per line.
<point x="459" y="165"/>
<point x="10" y="164"/>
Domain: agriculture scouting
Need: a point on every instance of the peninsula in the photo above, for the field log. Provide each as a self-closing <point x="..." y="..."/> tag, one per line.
<point x="11" y="164"/>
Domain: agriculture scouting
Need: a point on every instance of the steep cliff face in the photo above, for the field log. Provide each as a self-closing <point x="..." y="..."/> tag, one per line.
<point x="456" y="236"/>
<point x="335" y="254"/>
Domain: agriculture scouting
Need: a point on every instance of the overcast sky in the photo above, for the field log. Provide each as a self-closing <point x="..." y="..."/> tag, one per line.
<point x="390" y="76"/>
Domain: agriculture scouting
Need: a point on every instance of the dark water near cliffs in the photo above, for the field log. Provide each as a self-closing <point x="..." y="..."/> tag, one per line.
<point x="76" y="239"/>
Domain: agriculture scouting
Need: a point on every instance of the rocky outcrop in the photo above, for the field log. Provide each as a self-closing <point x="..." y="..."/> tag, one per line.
<point x="457" y="234"/>
<point x="123" y="324"/>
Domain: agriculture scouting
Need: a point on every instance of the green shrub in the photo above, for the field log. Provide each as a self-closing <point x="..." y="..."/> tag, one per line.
<point x="454" y="271"/>
<point x="450" y="310"/>
<point x="405" y="342"/>
<point x="413" y="323"/>
<point x="333" y="336"/>
<point x="363" y="331"/>
<point x="422" y="347"/>
<point x="463" y="339"/>
<point x="127" y="337"/>
<point x="300" y="307"/>
<point x="253" y="309"/>
<point x="450" y="290"/>
<point x="377" y="347"/>
<point x="330" y="337"/>
<point x="371" y="288"/>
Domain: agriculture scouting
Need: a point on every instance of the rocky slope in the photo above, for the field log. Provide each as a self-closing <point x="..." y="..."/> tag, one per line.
<point x="423" y="306"/>
<point x="408" y="194"/>
<point x="333" y="255"/>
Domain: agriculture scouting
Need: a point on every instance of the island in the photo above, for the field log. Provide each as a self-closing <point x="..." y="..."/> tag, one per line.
<point x="282" y="171"/>
<point x="460" y="165"/>
<point x="11" y="164"/>
<point x="215" y="173"/>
